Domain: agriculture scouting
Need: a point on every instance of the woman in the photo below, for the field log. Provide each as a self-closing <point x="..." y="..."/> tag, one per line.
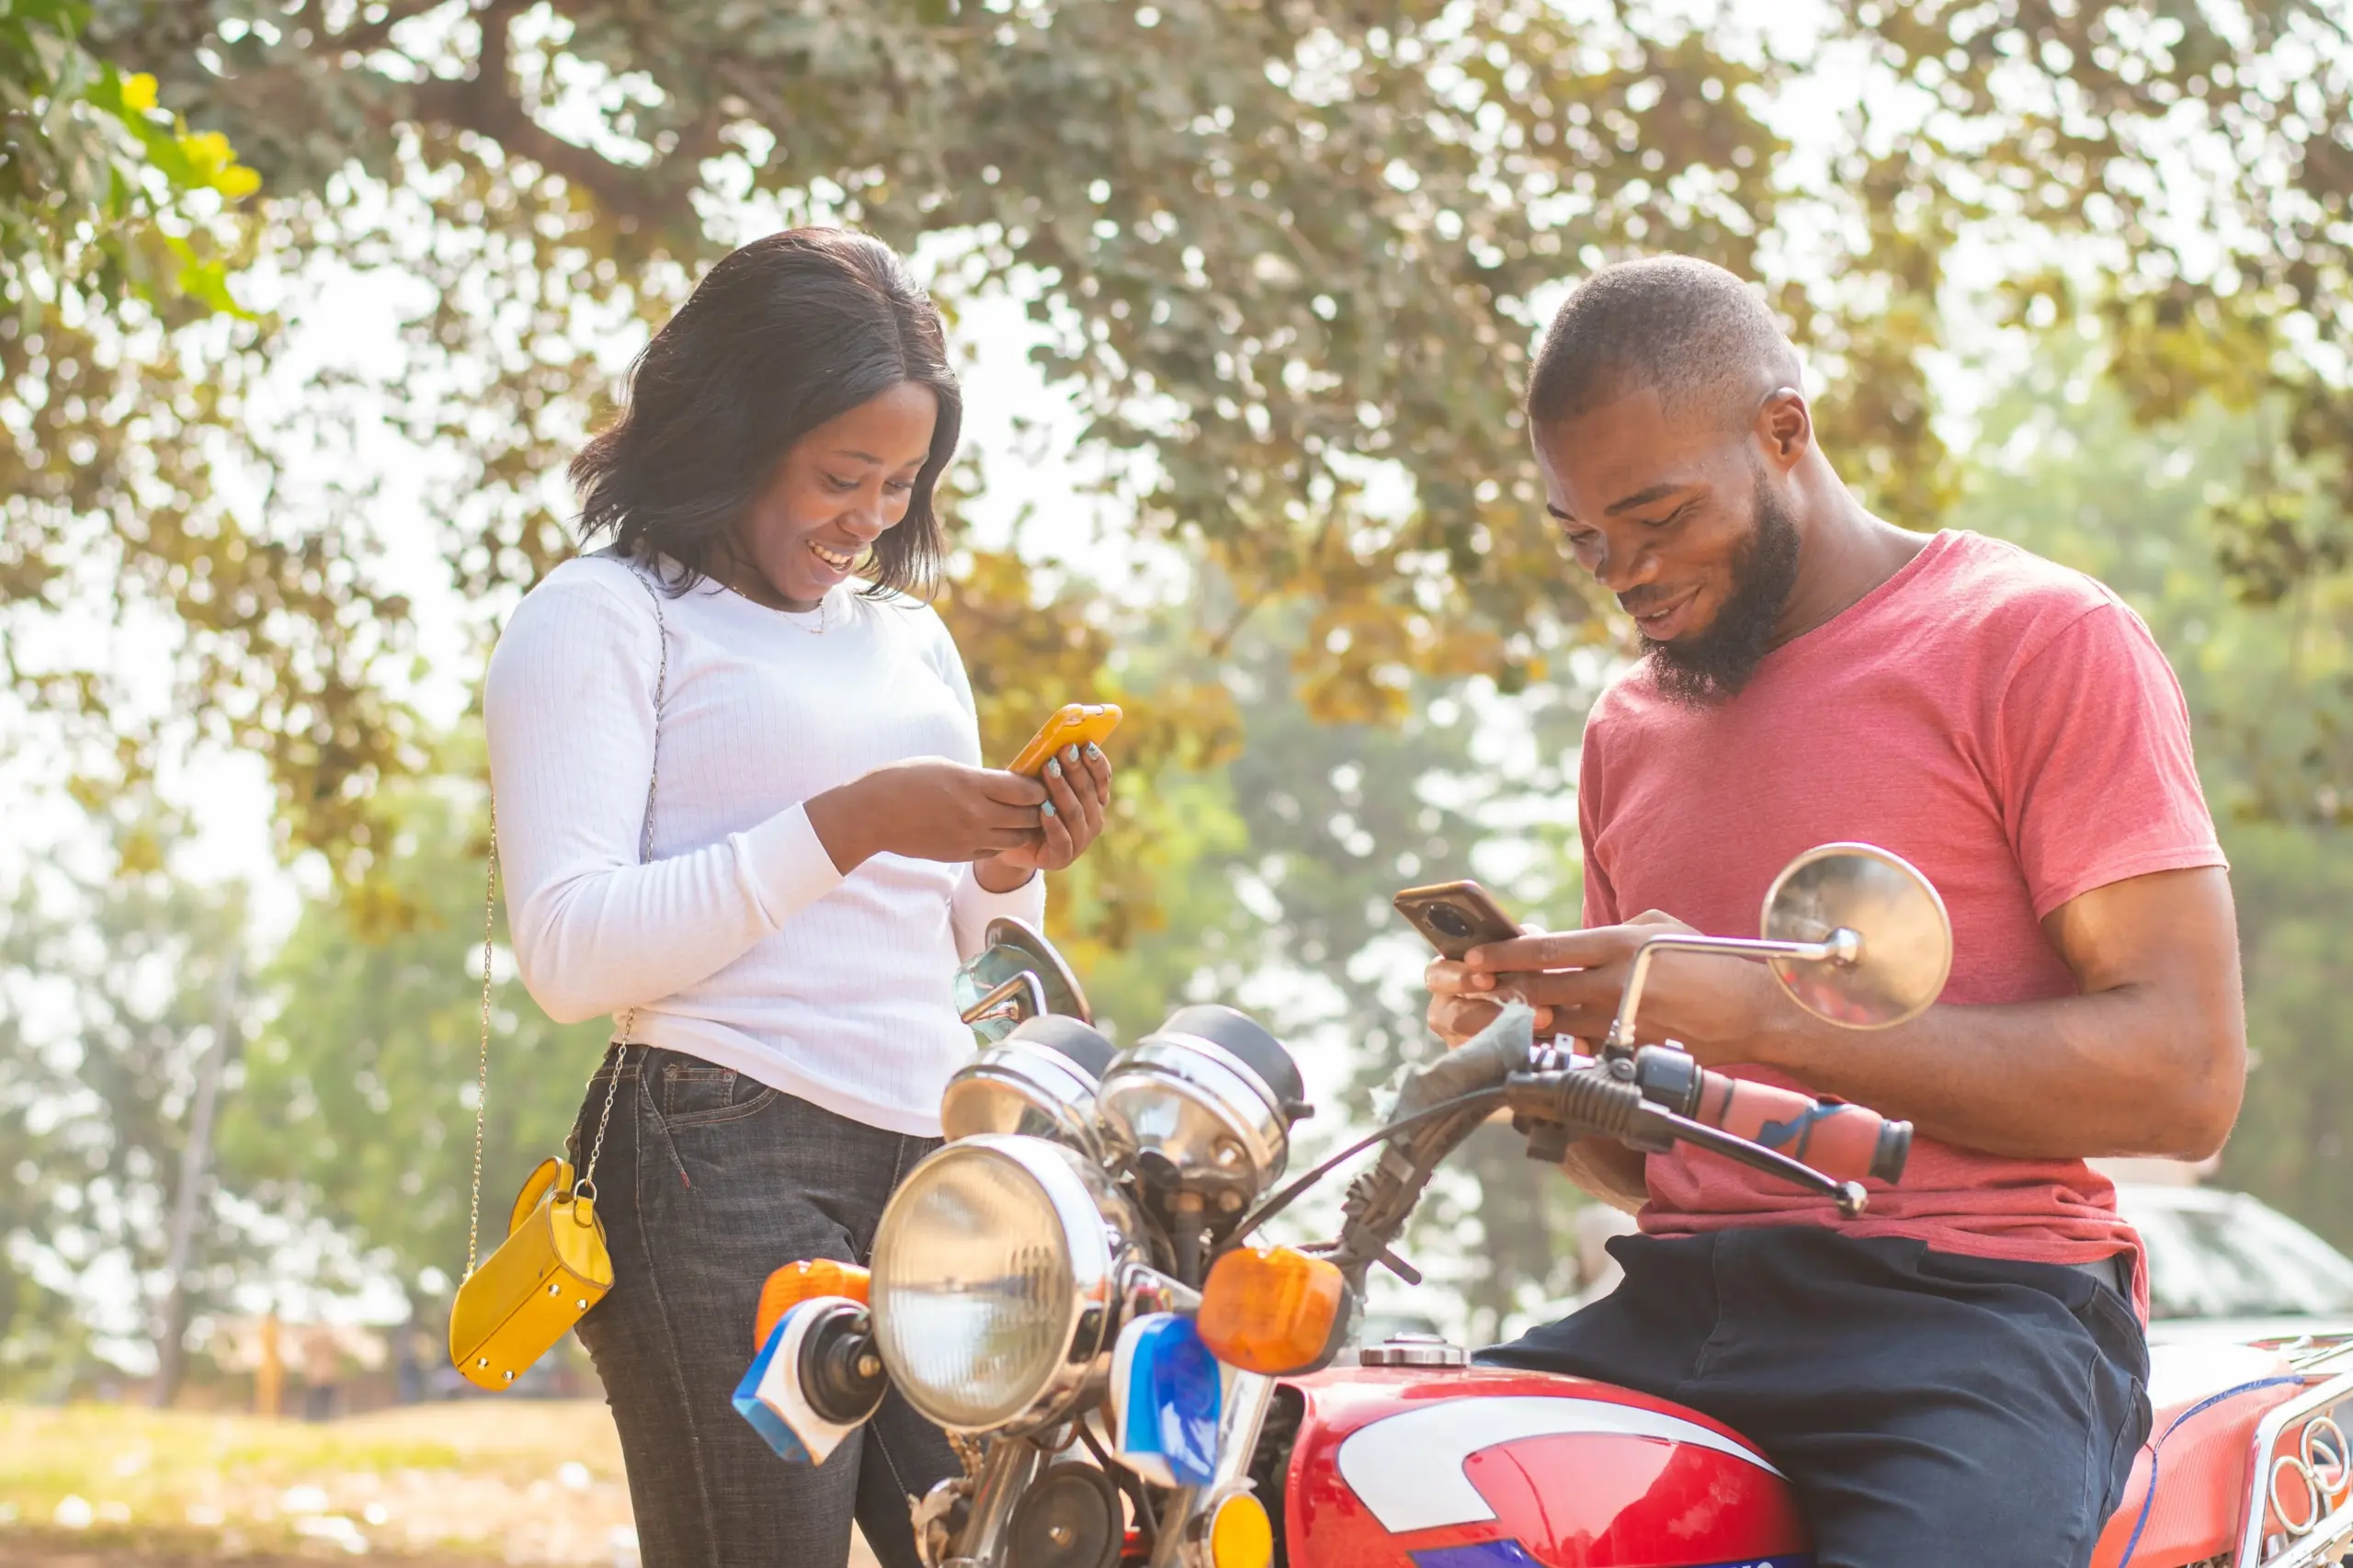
<point x="741" y="808"/>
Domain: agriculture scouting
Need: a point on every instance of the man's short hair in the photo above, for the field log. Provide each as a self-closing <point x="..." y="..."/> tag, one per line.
<point x="1696" y="334"/>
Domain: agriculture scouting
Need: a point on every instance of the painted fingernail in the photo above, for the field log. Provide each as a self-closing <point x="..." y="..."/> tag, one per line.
<point x="1054" y="766"/>
<point x="1092" y="750"/>
<point x="1047" y="810"/>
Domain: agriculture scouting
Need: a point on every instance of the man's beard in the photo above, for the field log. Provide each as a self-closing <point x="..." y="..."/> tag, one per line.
<point x="1712" y="667"/>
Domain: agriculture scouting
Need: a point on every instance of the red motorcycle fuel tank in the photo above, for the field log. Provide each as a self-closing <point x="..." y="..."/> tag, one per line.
<point x="1477" y="1467"/>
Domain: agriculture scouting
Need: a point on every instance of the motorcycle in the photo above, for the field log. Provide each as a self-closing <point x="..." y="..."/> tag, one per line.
<point x="1072" y="1289"/>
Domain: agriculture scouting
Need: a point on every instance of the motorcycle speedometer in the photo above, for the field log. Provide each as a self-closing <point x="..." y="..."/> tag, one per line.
<point x="1203" y="1104"/>
<point x="995" y="1281"/>
<point x="1041" y="1080"/>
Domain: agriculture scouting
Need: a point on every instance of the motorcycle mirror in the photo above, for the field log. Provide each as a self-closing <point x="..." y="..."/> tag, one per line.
<point x="1017" y="975"/>
<point x="1900" y="947"/>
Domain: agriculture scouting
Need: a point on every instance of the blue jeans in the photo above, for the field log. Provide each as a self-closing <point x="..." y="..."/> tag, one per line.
<point x="709" y="1181"/>
<point x="1932" y="1411"/>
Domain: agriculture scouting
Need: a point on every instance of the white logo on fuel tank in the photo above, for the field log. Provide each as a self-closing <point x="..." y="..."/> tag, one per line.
<point x="1407" y="1469"/>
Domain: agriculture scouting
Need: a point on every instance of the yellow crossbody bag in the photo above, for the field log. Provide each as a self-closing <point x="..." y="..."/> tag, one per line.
<point x="553" y="1265"/>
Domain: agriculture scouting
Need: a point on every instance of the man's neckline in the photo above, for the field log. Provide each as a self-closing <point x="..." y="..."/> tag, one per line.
<point x="1938" y="544"/>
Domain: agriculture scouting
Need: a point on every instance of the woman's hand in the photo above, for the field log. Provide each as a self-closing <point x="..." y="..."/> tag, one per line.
<point x="1078" y="786"/>
<point x="929" y="809"/>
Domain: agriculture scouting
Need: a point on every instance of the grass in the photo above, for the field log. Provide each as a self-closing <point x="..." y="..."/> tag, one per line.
<point x="522" y="1482"/>
<point x="447" y="1485"/>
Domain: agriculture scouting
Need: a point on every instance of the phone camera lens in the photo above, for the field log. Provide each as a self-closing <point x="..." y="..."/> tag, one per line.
<point x="1449" y="920"/>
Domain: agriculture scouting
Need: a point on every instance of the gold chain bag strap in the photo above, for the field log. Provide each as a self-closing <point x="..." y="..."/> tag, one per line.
<point x="553" y="1265"/>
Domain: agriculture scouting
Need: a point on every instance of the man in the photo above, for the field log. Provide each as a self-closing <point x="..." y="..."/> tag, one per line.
<point x="1958" y="1376"/>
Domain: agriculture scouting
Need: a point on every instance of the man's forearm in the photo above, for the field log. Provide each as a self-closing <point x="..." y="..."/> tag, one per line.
<point x="2120" y="1071"/>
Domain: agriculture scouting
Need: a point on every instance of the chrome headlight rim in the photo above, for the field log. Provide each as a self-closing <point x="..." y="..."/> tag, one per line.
<point x="1245" y="1105"/>
<point x="1042" y="1078"/>
<point x="1098" y="1230"/>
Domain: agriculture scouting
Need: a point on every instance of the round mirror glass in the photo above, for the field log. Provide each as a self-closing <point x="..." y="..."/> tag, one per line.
<point x="1012" y="948"/>
<point x="1903" y="939"/>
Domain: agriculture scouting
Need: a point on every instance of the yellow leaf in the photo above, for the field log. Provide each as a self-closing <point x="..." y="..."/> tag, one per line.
<point x="208" y="151"/>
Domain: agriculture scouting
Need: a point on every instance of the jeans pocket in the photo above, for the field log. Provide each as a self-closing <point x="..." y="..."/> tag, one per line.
<point x="2131" y="1434"/>
<point x="694" y="1093"/>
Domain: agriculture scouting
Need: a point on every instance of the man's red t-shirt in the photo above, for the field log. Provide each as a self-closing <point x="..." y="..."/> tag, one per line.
<point x="2007" y="725"/>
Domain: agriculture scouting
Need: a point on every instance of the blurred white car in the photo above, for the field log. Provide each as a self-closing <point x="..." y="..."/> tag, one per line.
<point x="2223" y="1265"/>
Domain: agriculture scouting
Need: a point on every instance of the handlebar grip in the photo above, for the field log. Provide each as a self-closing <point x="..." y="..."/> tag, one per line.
<point x="1847" y="1141"/>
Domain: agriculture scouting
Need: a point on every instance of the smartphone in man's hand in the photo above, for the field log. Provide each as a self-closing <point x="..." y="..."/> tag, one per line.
<point x="1456" y="916"/>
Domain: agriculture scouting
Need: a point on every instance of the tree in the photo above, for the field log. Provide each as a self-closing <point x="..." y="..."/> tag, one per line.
<point x="102" y="195"/>
<point x="110" y="994"/>
<point x="1285" y="255"/>
<point x="358" y="1101"/>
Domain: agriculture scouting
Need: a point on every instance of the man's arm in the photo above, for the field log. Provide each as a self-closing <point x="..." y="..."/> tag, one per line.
<point x="2149" y="1058"/>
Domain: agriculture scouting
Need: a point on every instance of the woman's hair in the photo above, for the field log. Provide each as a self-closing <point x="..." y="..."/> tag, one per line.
<point x="781" y="337"/>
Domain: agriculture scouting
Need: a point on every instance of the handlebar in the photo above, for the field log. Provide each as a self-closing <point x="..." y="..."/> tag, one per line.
<point x="1653" y="1100"/>
<point x="1846" y="1141"/>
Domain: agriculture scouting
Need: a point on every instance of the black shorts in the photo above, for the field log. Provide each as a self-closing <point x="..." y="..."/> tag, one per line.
<point x="1930" y="1409"/>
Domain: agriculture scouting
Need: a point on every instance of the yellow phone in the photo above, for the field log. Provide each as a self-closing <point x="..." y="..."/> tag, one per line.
<point x="1074" y="724"/>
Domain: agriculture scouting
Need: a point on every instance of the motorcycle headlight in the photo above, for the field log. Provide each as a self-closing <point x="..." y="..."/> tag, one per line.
<point x="996" y="1280"/>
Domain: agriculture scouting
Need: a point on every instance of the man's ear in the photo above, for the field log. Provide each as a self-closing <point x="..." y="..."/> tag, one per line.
<point x="1784" y="427"/>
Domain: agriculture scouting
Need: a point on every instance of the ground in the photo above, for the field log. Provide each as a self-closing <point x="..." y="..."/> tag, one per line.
<point x="449" y="1485"/>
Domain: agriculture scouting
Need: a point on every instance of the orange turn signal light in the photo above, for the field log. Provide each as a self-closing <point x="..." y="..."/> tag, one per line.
<point x="1272" y="1310"/>
<point x="1241" y="1536"/>
<point x="805" y="1281"/>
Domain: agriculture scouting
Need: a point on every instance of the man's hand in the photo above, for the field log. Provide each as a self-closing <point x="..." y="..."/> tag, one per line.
<point x="1464" y="1000"/>
<point x="2149" y="1057"/>
<point x="1715" y="1007"/>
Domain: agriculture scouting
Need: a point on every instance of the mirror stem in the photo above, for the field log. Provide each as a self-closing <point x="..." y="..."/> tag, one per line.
<point x="1023" y="987"/>
<point x="1842" y="946"/>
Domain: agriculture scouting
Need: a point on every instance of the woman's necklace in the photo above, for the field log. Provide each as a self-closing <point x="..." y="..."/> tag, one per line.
<point x="792" y="617"/>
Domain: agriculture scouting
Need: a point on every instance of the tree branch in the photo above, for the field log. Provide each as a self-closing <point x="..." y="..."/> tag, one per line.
<point x="655" y="198"/>
<point x="364" y="38"/>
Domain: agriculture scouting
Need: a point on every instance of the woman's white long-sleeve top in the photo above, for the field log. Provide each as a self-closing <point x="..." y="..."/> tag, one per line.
<point x="736" y="940"/>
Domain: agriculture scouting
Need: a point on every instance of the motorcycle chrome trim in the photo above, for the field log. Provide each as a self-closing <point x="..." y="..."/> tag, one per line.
<point x="930" y="1517"/>
<point x="1098" y="1231"/>
<point x="1025" y="987"/>
<point x="1012" y="1467"/>
<point x="1026" y="1079"/>
<point x="1407" y="1470"/>
<point x="1906" y="935"/>
<point x="2325" y="1538"/>
<point x="2315" y="1501"/>
<point x="2323" y="1426"/>
<point x="1143" y="1289"/>
<point x="1247" y="1142"/>
<point x="988" y="990"/>
<point x="1426" y="1350"/>
<point x="1842" y="946"/>
<point x="1854" y="935"/>
<point x="1185" y="1517"/>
